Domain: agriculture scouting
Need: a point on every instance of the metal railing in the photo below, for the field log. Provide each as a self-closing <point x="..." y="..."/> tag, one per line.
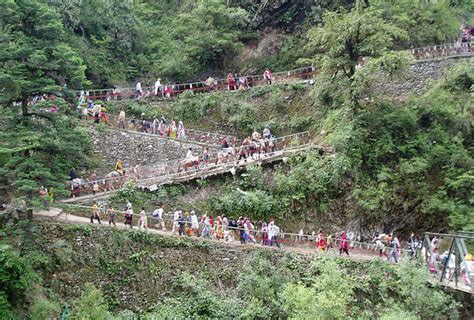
<point x="443" y="50"/>
<point x="255" y="235"/>
<point x="178" y="167"/>
<point x="304" y="73"/>
<point x="452" y="265"/>
<point x="193" y="135"/>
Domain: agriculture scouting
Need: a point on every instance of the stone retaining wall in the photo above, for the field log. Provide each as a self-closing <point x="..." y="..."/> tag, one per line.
<point x="418" y="76"/>
<point x="112" y="145"/>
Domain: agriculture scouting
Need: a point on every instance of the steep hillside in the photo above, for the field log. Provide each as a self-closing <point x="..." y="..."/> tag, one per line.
<point x="48" y="269"/>
<point x="388" y="171"/>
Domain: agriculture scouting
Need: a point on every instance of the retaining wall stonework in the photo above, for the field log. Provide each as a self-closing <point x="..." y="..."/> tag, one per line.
<point x="113" y="145"/>
<point x="418" y="76"/>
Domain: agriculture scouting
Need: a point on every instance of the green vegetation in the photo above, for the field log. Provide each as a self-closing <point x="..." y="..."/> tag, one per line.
<point x="390" y="163"/>
<point x="96" y="273"/>
<point x="403" y="163"/>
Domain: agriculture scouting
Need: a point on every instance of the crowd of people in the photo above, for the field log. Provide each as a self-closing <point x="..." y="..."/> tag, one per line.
<point x="253" y="147"/>
<point x="233" y="81"/>
<point x="244" y="230"/>
<point x="436" y="261"/>
<point x="159" y="126"/>
<point x="220" y="227"/>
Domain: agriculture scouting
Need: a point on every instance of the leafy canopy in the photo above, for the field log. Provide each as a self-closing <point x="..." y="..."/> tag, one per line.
<point x="34" y="57"/>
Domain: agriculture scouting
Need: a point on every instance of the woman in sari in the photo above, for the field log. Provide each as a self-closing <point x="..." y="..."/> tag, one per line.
<point x="181" y="131"/>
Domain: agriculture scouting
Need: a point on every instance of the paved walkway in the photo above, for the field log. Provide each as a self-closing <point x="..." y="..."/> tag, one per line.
<point x="355" y="254"/>
<point x="304" y="74"/>
<point x="167" y="173"/>
<point x="60" y="216"/>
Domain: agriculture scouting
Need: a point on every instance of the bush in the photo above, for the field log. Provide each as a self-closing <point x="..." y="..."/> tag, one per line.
<point x="44" y="310"/>
<point x="91" y="305"/>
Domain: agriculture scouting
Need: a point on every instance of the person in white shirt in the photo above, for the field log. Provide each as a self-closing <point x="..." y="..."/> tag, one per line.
<point x="273" y="231"/>
<point x="143" y="222"/>
<point x="189" y="155"/>
<point x="301" y="235"/>
<point x="121" y="123"/>
<point x="158" y="214"/>
<point x="138" y="90"/>
<point x="181" y="131"/>
<point x="174" y="230"/>
<point x="157" y="86"/>
<point x="194" y="222"/>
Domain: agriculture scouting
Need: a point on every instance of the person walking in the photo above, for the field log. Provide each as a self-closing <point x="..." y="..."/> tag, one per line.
<point x="321" y="243"/>
<point x="230" y="82"/>
<point x="412" y="246"/>
<point x="157" y="86"/>
<point x="380" y="243"/>
<point x="181" y="223"/>
<point x="265" y="240"/>
<point x="168" y="91"/>
<point x="194" y="222"/>
<point x="273" y="232"/>
<point x="155" y="125"/>
<point x="111" y="214"/>
<point x="144" y="125"/>
<point x="173" y="130"/>
<point x="158" y="215"/>
<point x="267" y="75"/>
<point x="181" y="131"/>
<point x="143" y="222"/>
<point x="206" y="229"/>
<point x="138" y="90"/>
<point x="344" y="245"/>
<point x="121" y="118"/>
<point x="95" y="214"/>
<point x="175" y="222"/>
<point x="395" y="245"/>
<point x="129" y="215"/>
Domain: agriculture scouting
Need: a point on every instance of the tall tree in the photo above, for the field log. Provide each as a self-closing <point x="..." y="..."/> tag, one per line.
<point x="38" y="145"/>
<point x="34" y="57"/>
<point x="347" y="40"/>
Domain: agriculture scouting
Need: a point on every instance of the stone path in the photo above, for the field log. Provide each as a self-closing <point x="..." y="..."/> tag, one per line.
<point x="167" y="174"/>
<point x="355" y="254"/>
<point x="63" y="217"/>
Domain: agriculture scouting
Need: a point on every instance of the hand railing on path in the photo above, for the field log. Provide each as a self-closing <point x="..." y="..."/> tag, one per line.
<point x="304" y="73"/>
<point x="452" y="266"/>
<point x="178" y="167"/>
<point x="443" y="50"/>
<point x="193" y="135"/>
<point x="287" y="239"/>
<point x="300" y="74"/>
<point x="457" y="263"/>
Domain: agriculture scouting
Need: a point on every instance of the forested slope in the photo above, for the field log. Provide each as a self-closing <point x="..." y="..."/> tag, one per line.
<point x="83" y="272"/>
<point x="403" y="164"/>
